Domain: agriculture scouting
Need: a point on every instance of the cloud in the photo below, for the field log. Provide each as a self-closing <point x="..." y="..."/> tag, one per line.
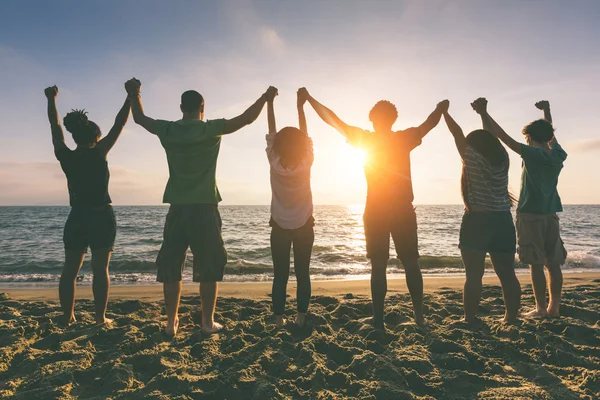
<point x="271" y="39"/>
<point x="44" y="183"/>
<point x="586" y="146"/>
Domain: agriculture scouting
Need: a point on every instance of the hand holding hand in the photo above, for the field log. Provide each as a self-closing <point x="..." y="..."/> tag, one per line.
<point x="133" y="86"/>
<point x="480" y="105"/>
<point x="271" y="93"/>
<point x="443" y="106"/>
<point x="543" y="105"/>
<point x="302" y="96"/>
<point x="51" y="92"/>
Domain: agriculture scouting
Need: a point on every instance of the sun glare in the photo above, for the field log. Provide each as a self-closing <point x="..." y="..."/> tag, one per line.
<point x="352" y="155"/>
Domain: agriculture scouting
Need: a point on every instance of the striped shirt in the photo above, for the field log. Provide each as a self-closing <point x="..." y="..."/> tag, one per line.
<point x="487" y="185"/>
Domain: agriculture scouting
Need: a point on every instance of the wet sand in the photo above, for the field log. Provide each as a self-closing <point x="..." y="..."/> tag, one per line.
<point x="335" y="357"/>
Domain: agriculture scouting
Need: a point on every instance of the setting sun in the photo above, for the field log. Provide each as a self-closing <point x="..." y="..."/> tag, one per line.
<point x="351" y="155"/>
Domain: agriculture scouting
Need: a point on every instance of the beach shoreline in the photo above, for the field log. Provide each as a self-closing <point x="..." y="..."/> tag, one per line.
<point x="262" y="290"/>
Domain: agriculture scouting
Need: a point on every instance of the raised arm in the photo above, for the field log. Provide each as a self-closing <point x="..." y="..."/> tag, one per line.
<point x="250" y="115"/>
<point x="433" y="119"/>
<point x="301" y="99"/>
<point x="327" y="115"/>
<point x="58" y="137"/>
<point x="133" y="87"/>
<point x="457" y="132"/>
<point x="109" y="140"/>
<point x="480" y="107"/>
<point x="544" y="105"/>
<point x="271" y="112"/>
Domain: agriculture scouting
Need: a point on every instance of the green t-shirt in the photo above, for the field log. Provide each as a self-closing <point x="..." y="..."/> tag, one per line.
<point x="540" y="178"/>
<point x="192" y="148"/>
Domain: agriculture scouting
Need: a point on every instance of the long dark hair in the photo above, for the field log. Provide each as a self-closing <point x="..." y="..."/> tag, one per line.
<point x="291" y="145"/>
<point x="84" y="131"/>
<point x="492" y="150"/>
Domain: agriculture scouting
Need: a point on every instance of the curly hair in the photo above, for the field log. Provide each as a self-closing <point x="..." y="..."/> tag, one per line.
<point x="540" y="131"/>
<point x="384" y="111"/>
<point x="84" y="131"/>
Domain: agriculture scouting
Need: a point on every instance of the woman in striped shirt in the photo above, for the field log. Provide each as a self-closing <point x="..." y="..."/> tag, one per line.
<point x="487" y="226"/>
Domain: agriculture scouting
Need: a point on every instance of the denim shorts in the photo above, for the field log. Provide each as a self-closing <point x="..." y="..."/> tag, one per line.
<point x="489" y="232"/>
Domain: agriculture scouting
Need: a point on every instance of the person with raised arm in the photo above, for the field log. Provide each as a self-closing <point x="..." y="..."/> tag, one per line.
<point x="91" y="222"/>
<point x="193" y="221"/>
<point x="290" y="155"/>
<point x="487" y="224"/>
<point x="538" y="229"/>
<point x="389" y="209"/>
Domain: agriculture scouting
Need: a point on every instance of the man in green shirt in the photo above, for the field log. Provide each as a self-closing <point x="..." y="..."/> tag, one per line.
<point x="192" y="147"/>
<point x="538" y="229"/>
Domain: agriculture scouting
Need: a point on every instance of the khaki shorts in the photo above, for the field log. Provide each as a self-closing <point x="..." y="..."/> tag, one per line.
<point x="538" y="239"/>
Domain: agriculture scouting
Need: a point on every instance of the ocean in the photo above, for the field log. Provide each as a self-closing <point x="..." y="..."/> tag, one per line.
<point x="31" y="249"/>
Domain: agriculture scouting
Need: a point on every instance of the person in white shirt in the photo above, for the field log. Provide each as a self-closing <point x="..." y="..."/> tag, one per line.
<point x="290" y="154"/>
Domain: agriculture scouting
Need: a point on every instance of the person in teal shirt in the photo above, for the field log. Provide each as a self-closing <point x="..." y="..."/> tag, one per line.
<point x="193" y="221"/>
<point x="538" y="229"/>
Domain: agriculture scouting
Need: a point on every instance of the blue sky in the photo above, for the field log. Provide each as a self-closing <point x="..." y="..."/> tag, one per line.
<point x="349" y="54"/>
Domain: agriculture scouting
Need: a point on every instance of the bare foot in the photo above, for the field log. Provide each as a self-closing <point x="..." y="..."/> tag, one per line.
<point x="216" y="327"/>
<point x="371" y="321"/>
<point x="66" y="320"/>
<point x="172" y="328"/>
<point x="301" y="320"/>
<point x="279" y="321"/>
<point x="553" y="312"/>
<point x="509" y="319"/>
<point x="420" y="321"/>
<point x="104" y="321"/>
<point x="472" y="320"/>
<point x="536" y="314"/>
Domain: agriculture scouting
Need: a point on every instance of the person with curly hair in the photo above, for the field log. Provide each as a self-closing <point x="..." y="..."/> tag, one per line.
<point x="91" y="222"/>
<point x="389" y="210"/>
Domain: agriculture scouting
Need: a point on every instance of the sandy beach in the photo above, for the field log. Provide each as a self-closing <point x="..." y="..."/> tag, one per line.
<point x="336" y="357"/>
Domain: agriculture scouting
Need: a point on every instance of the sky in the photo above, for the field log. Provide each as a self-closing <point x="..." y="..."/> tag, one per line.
<point x="349" y="54"/>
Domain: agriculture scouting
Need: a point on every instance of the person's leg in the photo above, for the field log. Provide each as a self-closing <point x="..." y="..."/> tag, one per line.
<point x="414" y="282"/>
<point x="504" y="266"/>
<point x="538" y="282"/>
<point x="379" y="289"/>
<point x="303" y="243"/>
<point x="474" y="262"/>
<point x="404" y="233"/>
<point x="208" y="297"/>
<point x="101" y="282"/>
<point x="172" y="293"/>
<point x="170" y="262"/>
<point x="66" y="287"/>
<point x="281" y="244"/>
<point x="555" y="288"/>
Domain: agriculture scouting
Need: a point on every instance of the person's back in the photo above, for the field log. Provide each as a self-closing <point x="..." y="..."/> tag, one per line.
<point x="91" y="222"/>
<point x="193" y="221"/>
<point x="192" y="148"/>
<point x="389" y="210"/>
<point x="387" y="165"/>
<point x="538" y="227"/>
<point x="290" y="155"/>
<point x="87" y="175"/>
<point x="539" y="179"/>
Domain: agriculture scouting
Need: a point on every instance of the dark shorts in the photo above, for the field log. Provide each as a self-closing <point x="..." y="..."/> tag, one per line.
<point x="94" y="227"/>
<point x="197" y="226"/>
<point x="490" y="232"/>
<point x="399" y="222"/>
